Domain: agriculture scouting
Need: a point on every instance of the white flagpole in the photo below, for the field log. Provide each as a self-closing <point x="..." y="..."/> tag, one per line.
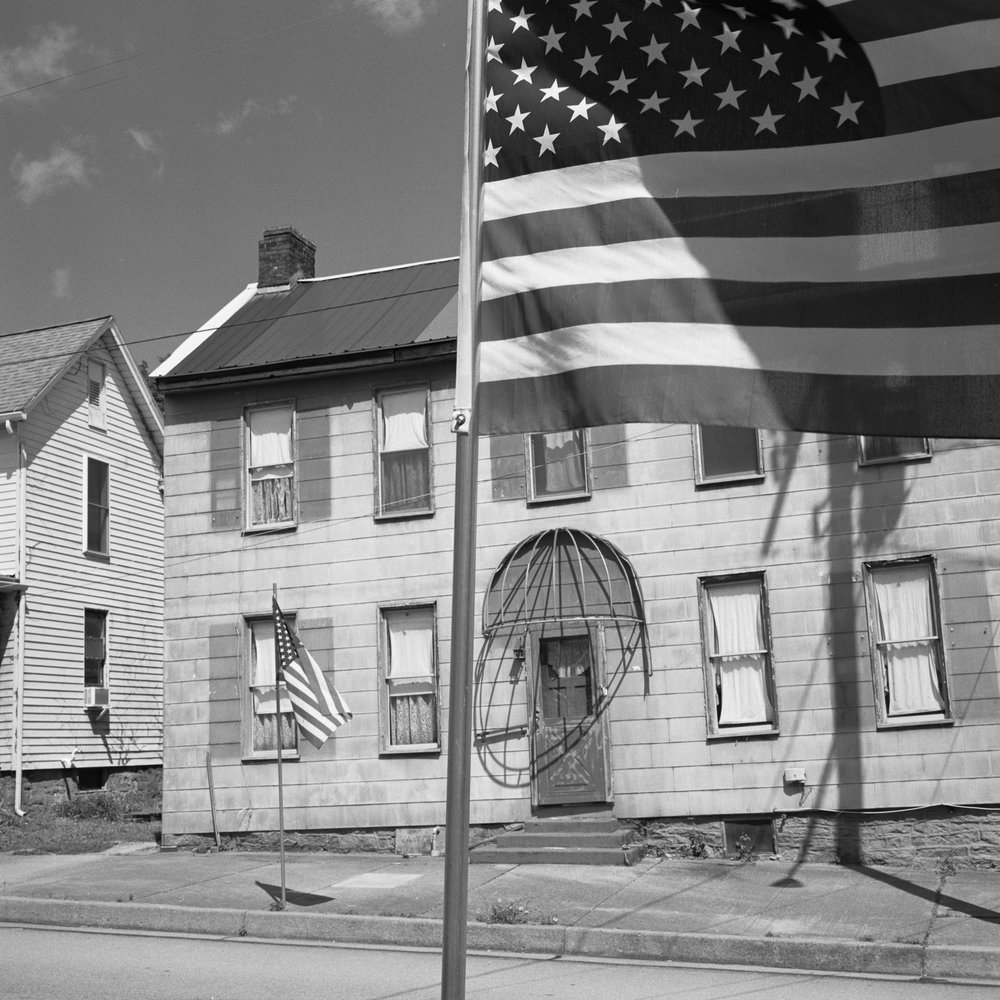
<point x="456" y="872"/>
<point x="278" y="677"/>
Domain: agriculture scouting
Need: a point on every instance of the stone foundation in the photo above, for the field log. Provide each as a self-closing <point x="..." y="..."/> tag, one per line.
<point x="138" y="790"/>
<point x="937" y="838"/>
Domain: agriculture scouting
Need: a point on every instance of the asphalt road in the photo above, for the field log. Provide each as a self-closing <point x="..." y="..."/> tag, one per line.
<point x="55" y="964"/>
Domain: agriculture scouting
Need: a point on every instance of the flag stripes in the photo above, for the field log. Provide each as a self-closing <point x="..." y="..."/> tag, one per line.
<point x="752" y="268"/>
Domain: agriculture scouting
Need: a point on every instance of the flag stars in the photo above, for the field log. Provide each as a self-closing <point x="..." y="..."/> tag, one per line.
<point x="611" y="130"/>
<point x="741" y="12"/>
<point x="766" y="121"/>
<point x="729" y="37"/>
<point x="523" y="75"/>
<point x="832" y="46"/>
<point x="686" y="124"/>
<point x="517" y="120"/>
<point x="622" y="83"/>
<point x="493" y="48"/>
<point x="652" y="103"/>
<point x="553" y="91"/>
<point x="588" y="63"/>
<point x="768" y="62"/>
<point x="490" y="155"/>
<point x="617" y="28"/>
<point x="848" y="110"/>
<point x="689" y="16"/>
<point x="490" y="101"/>
<point x="521" y="21"/>
<point x="582" y="109"/>
<point x="552" y="39"/>
<point x="693" y="74"/>
<point x="582" y="8"/>
<point x="730" y="97"/>
<point x="547" y="141"/>
<point x="807" y="85"/>
<point x="787" y="25"/>
<point x="654" y="51"/>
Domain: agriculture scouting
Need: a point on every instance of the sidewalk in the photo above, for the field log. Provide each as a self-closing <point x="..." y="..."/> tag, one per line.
<point x="815" y="917"/>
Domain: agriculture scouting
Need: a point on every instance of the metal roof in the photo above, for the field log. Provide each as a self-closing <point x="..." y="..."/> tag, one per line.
<point x="32" y="359"/>
<point x="322" y="318"/>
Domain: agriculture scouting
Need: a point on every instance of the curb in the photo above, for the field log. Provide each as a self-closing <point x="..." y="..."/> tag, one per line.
<point x="813" y="954"/>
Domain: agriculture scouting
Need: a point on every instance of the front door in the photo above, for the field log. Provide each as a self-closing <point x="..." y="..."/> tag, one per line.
<point x="569" y="740"/>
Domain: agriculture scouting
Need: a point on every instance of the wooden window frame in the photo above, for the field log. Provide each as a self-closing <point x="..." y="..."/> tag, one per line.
<point x="246" y="696"/>
<point x="427" y="510"/>
<point x="386" y="748"/>
<point x="883" y="720"/>
<point x="269" y="526"/>
<point x="701" y="478"/>
<point x="89" y="463"/>
<point x="922" y="455"/>
<point x="729" y="732"/>
<point x="97" y="413"/>
<point x="537" y="499"/>
<point x="104" y="617"/>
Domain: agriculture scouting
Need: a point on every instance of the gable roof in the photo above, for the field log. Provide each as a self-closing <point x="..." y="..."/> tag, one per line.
<point x="35" y="360"/>
<point x="320" y="321"/>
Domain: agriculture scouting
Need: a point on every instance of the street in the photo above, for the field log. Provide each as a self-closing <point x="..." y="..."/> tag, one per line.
<point x="56" y="964"/>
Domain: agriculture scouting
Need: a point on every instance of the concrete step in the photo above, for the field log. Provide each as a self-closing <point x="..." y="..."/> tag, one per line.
<point x="572" y="825"/>
<point x="552" y="838"/>
<point x="497" y="855"/>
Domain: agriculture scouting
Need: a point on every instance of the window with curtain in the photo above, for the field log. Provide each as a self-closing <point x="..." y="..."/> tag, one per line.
<point x="404" y="454"/>
<point x="738" y="668"/>
<point x="409" y="676"/>
<point x="261" y="718"/>
<point x="725" y="454"/>
<point x="95" y="648"/>
<point x="878" y="450"/>
<point x="558" y="465"/>
<point x="270" y="465"/>
<point x="908" y="655"/>
<point x="98" y="507"/>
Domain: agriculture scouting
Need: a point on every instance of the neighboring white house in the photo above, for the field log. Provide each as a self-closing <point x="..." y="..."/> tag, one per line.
<point x="81" y="556"/>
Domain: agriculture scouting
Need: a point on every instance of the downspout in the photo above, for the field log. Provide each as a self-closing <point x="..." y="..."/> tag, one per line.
<point x="17" y="729"/>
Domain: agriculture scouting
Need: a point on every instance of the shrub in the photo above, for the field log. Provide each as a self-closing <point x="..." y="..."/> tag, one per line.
<point x="94" y="805"/>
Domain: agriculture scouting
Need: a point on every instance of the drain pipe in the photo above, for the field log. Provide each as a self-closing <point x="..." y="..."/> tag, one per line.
<point x="17" y="727"/>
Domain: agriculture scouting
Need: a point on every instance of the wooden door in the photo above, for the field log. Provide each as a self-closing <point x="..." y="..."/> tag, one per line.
<point x="568" y="730"/>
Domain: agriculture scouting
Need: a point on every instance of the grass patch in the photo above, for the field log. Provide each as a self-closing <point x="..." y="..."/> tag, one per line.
<point x="86" y="824"/>
<point x="512" y="911"/>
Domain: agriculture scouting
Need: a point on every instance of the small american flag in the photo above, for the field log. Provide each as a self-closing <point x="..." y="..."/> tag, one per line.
<point x="319" y="709"/>
<point x="771" y="213"/>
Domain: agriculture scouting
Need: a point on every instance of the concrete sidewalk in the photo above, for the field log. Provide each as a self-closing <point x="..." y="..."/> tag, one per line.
<point x="815" y="917"/>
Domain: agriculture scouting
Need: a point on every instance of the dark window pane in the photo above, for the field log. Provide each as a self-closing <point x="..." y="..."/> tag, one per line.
<point x="94" y="647"/>
<point x="97" y="506"/>
<point x="567" y="681"/>
<point x="405" y="481"/>
<point x="558" y="463"/>
<point x="881" y="449"/>
<point x="729" y="452"/>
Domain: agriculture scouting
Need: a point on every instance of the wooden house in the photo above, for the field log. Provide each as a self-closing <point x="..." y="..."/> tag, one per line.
<point x="712" y="633"/>
<point x="81" y="556"/>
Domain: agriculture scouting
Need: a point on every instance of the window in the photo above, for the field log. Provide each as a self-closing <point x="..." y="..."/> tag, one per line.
<point x="739" y="677"/>
<point x="907" y="652"/>
<point x="96" y="377"/>
<point x="270" y="466"/>
<point x="408" y="676"/>
<point x="879" y="450"/>
<point x="403" y="478"/>
<point x="261" y="717"/>
<point x="727" y="454"/>
<point x="558" y="466"/>
<point x="98" y="507"/>
<point x="95" y="648"/>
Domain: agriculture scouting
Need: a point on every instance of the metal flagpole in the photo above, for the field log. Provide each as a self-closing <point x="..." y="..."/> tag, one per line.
<point x="456" y="871"/>
<point x="279" y="676"/>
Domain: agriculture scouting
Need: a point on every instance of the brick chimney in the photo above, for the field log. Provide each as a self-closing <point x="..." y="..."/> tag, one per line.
<point x="283" y="257"/>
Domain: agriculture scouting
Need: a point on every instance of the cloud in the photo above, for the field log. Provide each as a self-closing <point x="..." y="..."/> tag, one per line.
<point x="43" y="58"/>
<point x="60" y="283"/>
<point x="228" y="123"/>
<point x="148" y="146"/>
<point x="398" y="16"/>
<point x="36" y="179"/>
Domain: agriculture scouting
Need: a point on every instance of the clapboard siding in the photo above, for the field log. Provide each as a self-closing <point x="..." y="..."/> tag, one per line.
<point x="63" y="581"/>
<point x="809" y="525"/>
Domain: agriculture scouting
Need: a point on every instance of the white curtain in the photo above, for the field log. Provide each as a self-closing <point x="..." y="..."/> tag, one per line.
<point x="404" y="426"/>
<point x="264" y="672"/>
<point x="562" y="454"/>
<point x="271" y="438"/>
<point x="906" y="625"/>
<point x="738" y="653"/>
<point x="411" y="641"/>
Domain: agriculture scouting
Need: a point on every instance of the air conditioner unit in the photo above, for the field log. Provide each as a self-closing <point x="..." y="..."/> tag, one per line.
<point x="96" y="697"/>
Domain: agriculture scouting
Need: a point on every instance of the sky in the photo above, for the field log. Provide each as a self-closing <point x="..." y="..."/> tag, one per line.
<point x="147" y="144"/>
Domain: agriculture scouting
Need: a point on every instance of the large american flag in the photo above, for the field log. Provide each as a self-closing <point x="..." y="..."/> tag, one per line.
<point x="318" y="708"/>
<point x="774" y="213"/>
